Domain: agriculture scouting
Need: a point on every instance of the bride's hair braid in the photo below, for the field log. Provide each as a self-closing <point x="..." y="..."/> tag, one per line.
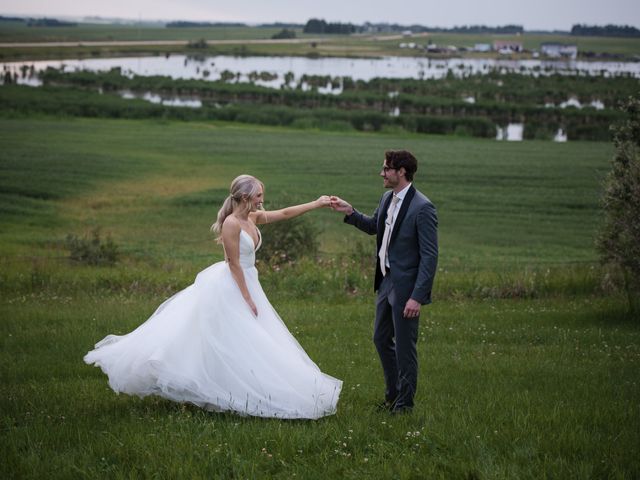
<point x="242" y="188"/>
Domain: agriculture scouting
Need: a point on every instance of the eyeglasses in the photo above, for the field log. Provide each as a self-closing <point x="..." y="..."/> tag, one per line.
<point x="385" y="169"/>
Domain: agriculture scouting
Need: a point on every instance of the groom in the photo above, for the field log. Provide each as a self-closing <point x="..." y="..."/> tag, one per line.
<point x="406" y="225"/>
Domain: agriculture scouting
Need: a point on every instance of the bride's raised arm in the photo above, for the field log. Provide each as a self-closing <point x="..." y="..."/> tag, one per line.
<point x="263" y="216"/>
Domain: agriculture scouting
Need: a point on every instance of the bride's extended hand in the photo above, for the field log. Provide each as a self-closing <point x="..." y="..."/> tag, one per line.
<point x="324" y="201"/>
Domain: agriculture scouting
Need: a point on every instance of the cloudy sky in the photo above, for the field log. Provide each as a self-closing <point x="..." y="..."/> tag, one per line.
<point x="532" y="14"/>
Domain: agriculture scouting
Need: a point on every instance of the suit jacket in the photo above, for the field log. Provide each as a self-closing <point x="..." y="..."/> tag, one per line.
<point x="413" y="247"/>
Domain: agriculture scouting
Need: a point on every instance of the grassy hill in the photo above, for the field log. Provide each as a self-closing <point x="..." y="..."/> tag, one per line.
<point x="156" y="186"/>
<point x="528" y="360"/>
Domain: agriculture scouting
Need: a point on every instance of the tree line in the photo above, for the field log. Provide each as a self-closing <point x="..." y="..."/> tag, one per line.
<point x="606" y="31"/>
<point x="319" y="26"/>
<point x="315" y="25"/>
<point x="38" y="22"/>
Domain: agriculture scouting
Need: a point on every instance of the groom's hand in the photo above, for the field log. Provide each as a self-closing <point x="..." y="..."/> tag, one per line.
<point x="340" y="205"/>
<point x="411" y="309"/>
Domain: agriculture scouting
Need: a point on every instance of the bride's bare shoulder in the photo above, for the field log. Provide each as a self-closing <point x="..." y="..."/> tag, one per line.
<point x="230" y="225"/>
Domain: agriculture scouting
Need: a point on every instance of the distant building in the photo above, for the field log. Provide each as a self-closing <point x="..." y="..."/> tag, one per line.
<point x="507" y="46"/>
<point x="482" y="47"/>
<point x="559" y="50"/>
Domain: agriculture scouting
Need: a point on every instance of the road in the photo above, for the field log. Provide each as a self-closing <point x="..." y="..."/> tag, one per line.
<point x="134" y="43"/>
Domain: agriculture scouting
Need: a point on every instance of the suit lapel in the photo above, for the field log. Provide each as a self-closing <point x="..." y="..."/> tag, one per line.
<point x="402" y="213"/>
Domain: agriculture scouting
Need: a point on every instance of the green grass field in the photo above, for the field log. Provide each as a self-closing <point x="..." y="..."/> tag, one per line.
<point x="528" y="360"/>
<point x="157" y="186"/>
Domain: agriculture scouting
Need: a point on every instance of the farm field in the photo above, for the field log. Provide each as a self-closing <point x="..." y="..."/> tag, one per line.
<point x="358" y="45"/>
<point x="528" y="358"/>
<point x="94" y="32"/>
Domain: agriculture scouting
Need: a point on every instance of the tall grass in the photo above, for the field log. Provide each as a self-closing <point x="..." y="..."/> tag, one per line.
<point x="507" y="389"/>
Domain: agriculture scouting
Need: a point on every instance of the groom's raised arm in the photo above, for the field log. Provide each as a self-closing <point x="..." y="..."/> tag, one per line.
<point x="368" y="224"/>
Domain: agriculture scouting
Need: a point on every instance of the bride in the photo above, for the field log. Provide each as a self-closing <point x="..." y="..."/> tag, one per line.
<point x="219" y="343"/>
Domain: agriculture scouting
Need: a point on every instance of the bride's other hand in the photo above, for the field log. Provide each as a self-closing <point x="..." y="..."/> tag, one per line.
<point x="252" y="306"/>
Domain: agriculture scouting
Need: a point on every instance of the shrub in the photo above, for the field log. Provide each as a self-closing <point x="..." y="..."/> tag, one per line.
<point x="91" y="249"/>
<point x="619" y="240"/>
<point x="288" y="241"/>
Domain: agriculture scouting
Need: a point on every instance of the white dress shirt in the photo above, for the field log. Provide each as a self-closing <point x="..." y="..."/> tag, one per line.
<point x="401" y="194"/>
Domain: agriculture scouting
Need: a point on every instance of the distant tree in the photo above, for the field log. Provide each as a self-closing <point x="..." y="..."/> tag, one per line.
<point x="316" y="26"/>
<point x="48" y="22"/>
<point x="12" y="19"/>
<point x="619" y="240"/>
<point x="606" y="31"/>
<point x="506" y="29"/>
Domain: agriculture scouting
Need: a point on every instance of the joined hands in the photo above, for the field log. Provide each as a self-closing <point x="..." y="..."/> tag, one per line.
<point x="335" y="203"/>
<point x="340" y="205"/>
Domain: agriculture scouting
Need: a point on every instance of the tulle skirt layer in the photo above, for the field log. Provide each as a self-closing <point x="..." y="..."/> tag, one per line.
<point x="204" y="346"/>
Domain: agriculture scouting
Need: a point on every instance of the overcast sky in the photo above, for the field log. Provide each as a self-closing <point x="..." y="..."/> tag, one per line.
<point x="532" y="14"/>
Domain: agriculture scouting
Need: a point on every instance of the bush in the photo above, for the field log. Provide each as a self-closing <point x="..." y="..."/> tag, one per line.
<point x="91" y="249"/>
<point x="288" y="241"/>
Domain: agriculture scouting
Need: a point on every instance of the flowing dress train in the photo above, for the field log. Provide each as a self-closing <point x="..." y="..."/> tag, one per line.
<point x="204" y="346"/>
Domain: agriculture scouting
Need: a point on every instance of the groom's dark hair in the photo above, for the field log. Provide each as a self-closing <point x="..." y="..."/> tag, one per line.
<point x="402" y="158"/>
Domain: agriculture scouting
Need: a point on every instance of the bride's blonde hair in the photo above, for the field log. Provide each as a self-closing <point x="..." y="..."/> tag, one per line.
<point x="243" y="188"/>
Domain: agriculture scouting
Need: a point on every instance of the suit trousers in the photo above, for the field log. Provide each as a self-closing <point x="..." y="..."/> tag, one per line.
<point x="395" y="338"/>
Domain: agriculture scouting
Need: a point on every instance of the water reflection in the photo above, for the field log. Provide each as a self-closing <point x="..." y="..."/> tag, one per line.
<point x="275" y="72"/>
<point x="561" y="136"/>
<point x="158" y="99"/>
<point x="299" y="72"/>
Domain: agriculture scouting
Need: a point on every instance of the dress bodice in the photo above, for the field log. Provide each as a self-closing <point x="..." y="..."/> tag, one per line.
<point x="248" y="249"/>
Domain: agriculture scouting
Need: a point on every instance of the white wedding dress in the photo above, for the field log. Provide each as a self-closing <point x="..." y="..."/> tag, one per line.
<point x="204" y="346"/>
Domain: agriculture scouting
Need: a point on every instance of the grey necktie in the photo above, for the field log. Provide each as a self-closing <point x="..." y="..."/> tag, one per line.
<point x="388" y="227"/>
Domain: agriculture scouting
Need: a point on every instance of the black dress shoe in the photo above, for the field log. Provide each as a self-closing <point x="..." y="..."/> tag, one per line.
<point x="401" y="410"/>
<point x="385" y="406"/>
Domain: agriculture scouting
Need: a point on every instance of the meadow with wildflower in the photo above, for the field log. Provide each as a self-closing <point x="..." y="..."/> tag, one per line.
<point x="528" y="356"/>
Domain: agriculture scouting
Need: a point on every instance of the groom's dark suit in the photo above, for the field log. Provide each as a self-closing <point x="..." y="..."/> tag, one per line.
<point x="413" y="257"/>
